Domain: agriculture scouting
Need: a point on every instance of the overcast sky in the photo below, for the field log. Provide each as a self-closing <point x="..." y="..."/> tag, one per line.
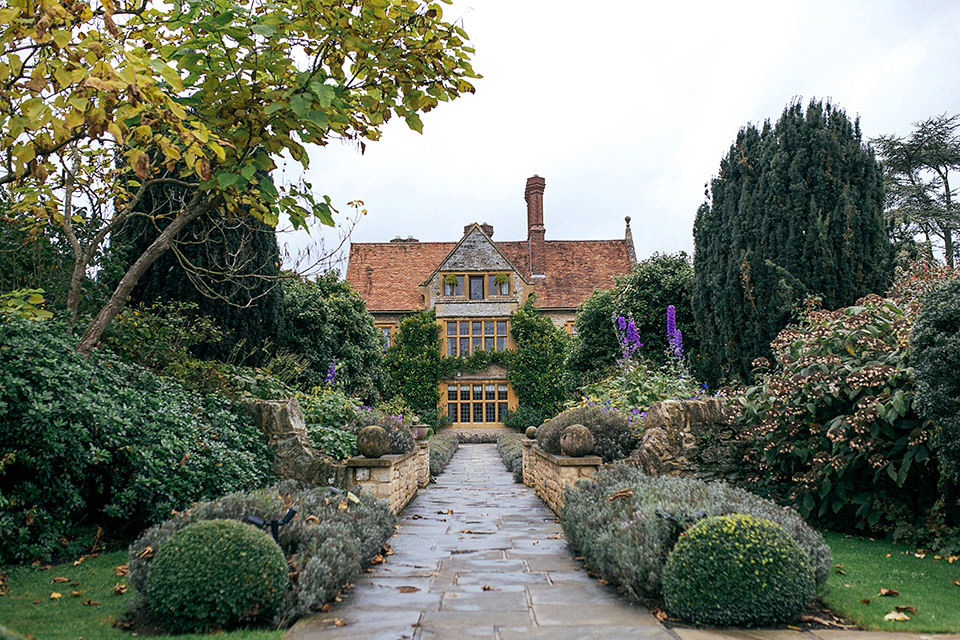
<point x="627" y="107"/>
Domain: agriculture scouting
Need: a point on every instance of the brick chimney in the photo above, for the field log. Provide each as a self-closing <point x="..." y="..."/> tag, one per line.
<point x="535" y="230"/>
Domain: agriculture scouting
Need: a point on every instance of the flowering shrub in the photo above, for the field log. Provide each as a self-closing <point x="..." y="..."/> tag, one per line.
<point x="391" y="418"/>
<point x="836" y="431"/>
<point x="328" y="407"/>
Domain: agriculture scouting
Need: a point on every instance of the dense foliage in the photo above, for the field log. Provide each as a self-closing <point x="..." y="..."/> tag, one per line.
<point x="935" y="341"/>
<point x="326" y="321"/>
<point x="737" y="571"/>
<point x="834" y="421"/>
<point x="216" y="574"/>
<point x="227" y="268"/>
<point x="442" y="447"/>
<point x="326" y="544"/>
<point x="536" y="368"/>
<point x="413" y="362"/>
<point x="796" y="209"/>
<point x="523" y="417"/>
<point x="613" y="437"/>
<point x="511" y="452"/>
<point x="645" y="293"/>
<point x="614" y="523"/>
<point x="102" y="442"/>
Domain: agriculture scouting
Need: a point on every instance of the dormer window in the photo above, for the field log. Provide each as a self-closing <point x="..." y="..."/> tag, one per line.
<point x="476" y="286"/>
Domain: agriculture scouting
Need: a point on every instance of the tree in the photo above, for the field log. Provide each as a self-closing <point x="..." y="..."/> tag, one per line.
<point x="414" y="363"/>
<point x="645" y="293"/>
<point x="536" y="368"/>
<point x="326" y="321"/>
<point x="917" y="170"/>
<point x="228" y="267"/>
<point x="796" y="210"/>
<point x="100" y="104"/>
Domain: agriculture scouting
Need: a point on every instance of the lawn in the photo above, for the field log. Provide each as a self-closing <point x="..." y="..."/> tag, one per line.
<point x="27" y="607"/>
<point x="928" y="584"/>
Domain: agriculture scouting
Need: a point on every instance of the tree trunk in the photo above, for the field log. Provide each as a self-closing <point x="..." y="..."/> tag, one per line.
<point x="91" y="337"/>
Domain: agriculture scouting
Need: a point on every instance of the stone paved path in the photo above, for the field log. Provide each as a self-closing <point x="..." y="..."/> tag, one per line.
<point x="478" y="556"/>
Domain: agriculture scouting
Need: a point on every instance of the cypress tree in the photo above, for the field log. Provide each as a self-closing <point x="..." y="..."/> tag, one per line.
<point x="796" y="210"/>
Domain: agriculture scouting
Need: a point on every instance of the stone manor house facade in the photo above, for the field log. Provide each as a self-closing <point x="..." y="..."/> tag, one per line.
<point x="474" y="285"/>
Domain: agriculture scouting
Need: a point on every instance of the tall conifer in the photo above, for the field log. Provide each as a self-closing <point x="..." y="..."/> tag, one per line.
<point x="796" y="209"/>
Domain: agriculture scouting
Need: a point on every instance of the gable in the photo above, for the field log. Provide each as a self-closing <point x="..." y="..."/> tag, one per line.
<point x="475" y="252"/>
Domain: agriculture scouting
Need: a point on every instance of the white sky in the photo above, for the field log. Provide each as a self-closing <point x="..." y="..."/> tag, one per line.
<point x="626" y="108"/>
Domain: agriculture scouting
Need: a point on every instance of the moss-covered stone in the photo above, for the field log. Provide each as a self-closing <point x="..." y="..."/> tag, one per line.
<point x="373" y="441"/>
<point x="576" y="441"/>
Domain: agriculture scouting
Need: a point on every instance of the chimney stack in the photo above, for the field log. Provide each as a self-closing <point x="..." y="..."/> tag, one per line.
<point x="535" y="229"/>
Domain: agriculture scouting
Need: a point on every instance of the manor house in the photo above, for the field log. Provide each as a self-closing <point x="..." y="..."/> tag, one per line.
<point x="475" y="284"/>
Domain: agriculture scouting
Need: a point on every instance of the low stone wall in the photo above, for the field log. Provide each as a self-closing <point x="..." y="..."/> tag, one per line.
<point x="394" y="478"/>
<point x="550" y="475"/>
<point x="690" y="438"/>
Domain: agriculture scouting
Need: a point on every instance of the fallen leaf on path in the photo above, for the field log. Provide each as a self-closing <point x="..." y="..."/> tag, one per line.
<point x="451" y="595"/>
<point x="408" y="589"/>
<point x="327" y="608"/>
<point x="477" y="533"/>
<point x="416" y="516"/>
<point x="920" y="555"/>
<point x="956" y="583"/>
<point x="602" y="582"/>
<point x="905" y="608"/>
<point x="340" y="622"/>
<point x="896" y="615"/>
<point x="59" y="579"/>
<point x="91" y="603"/>
<point x="841" y="572"/>
<point x="55" y="596"/>
<point x="838" y="566"/>
<point x="377" y="559"/>
<point x="386" y="550"/>
<point x="824" y="621"/>
<point x="487" y="587"/>
<point x="76" y="594"/>
<point x="119" y="589"/>
<point x="659" y="614"/>
<point x="888" y="592"/>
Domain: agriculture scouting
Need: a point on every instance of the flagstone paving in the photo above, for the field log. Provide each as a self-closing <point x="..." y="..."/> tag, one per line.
<point x="478" y="556"/>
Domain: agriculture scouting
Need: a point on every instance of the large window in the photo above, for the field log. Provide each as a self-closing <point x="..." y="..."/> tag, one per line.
<point x="477" y="402"/>
<point x="469" y="336"/>
<point x="476" y="286"/>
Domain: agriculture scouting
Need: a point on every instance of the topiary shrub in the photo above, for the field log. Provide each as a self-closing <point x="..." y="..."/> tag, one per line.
<point x="326" y="543"/>
<point x="214" y="574"/>
<point x="613" y="523"/>
<point x="613" y="438"/>
<point x="737" y="571"/>
<point x="442" y="447"/>
<point x="935" y="341"/>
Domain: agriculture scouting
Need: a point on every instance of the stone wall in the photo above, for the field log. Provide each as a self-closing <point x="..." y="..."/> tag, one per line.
<point x="550" y="475"/>
<point x="394" y="478"/>
<point x="691" y="438"/>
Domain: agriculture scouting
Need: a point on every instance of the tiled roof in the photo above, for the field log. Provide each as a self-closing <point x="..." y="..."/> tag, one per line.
<point x="574" y="269"/>
<point x="387" y="274"/>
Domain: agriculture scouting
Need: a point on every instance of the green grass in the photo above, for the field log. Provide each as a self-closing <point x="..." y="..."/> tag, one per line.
<point x="870" y="565"/>
<point x="28" y="609"/>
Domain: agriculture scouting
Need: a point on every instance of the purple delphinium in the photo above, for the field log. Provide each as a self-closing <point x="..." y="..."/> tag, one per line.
<point x="674" y="336"/>
<point x="331" y="378"/>
<point x="628" y="336"/>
